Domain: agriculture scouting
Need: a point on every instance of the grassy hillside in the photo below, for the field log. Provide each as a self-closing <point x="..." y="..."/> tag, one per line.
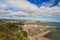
<point x="10" y="31"/>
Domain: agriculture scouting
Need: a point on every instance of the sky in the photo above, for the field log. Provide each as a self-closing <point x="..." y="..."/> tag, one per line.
<point x="48" y="10"/>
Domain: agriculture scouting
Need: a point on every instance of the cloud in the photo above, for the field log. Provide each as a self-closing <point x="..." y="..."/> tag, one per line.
<point x="49" y="3"/>
<point x="24" y="6"/>
<point x="26" y="9"/>
<point x="47" y="11"/>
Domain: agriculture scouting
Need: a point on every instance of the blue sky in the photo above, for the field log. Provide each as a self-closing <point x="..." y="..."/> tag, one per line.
<point x="30" y="9"/>
<point x="39" y="2"/>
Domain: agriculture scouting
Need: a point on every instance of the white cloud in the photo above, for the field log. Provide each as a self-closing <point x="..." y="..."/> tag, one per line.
<point x="23" y="5"/>
<point x="48" y="4"/>
<point x="59" y="4"/>
<point x="27" y="9"/>
<point x="47" y="11"/>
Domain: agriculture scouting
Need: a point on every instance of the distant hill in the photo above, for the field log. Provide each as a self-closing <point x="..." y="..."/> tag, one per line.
<point x="38" y="22"/>
<point x="44" y="23"/>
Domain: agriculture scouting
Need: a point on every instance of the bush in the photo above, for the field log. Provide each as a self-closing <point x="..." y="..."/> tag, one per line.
<point x="9" y="31"/>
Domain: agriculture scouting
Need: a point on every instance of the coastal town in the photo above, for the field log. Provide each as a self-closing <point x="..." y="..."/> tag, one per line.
<point x="35" y="32"/>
